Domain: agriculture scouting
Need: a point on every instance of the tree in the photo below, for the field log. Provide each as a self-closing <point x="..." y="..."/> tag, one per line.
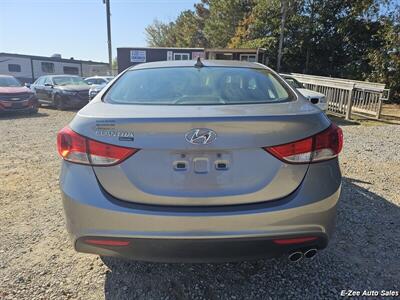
<point x="160" y="34"/>
<point x="357" y="39"/>
<point x="186" y="31"/>
<point x="385" y="59"/>
<point x="224" y="17"/>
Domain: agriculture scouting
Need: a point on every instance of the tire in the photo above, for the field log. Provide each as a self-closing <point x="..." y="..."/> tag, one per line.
<point x="59" y="103"/>
<point x="34" y="110"/>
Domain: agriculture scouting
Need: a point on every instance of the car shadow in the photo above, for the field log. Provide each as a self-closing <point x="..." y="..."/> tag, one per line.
<point x="340" y="121"/>
<point x="363" y="249"/>
<point x="13" y="116"/>
<point x="49" y="107"/>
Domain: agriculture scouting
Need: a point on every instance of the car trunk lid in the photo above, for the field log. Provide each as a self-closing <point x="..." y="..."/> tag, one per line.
<point x="170" y="170"/>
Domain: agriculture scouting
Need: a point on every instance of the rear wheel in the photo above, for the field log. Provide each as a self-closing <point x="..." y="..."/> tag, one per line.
<point x="59" y="103"/>
<point x="34" y="110"/>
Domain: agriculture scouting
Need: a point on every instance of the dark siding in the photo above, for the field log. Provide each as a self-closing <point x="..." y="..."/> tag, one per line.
<point x="152" y="54"/>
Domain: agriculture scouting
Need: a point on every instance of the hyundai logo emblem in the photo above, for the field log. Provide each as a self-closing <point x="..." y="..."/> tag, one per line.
<point x="200" y="136"/>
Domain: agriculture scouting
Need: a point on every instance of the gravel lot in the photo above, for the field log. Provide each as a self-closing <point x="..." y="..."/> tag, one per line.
<point x="38" y="262"/>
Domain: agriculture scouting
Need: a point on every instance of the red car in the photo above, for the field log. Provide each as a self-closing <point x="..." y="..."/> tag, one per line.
<point x="14" y="97"/>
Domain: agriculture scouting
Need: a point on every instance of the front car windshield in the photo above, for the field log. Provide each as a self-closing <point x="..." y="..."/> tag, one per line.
<point x="198" y="86"/>
<point x="7" y="81"/>
<point x="68" y="80"/>
<point x="294" y="83"/>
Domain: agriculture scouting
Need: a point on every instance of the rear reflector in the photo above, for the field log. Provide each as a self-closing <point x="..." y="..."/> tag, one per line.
<point x="104" y="242"/>
<point x="294" y="240"/>
<point x="79" y="149"/>
<point x="322" y="146"/>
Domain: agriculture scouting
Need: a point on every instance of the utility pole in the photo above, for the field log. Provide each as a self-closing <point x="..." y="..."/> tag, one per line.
<point x="107" y="3"/>
<point x="284" y="8"/>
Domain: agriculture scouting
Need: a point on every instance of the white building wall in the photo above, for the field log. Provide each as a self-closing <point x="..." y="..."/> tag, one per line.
<point x="89" y="69"/>
<point x="25" y="64"/>
<point x="58" y="67"/>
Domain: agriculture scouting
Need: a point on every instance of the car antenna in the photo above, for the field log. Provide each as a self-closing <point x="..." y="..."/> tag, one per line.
<point x="198" y="63"/>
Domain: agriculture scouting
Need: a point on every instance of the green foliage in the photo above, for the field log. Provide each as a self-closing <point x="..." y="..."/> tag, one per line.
<point x="357" y="39"/>
<point x="385" y="59"/>
<point x="224" y="16"/>
<point x="160" y="34"/>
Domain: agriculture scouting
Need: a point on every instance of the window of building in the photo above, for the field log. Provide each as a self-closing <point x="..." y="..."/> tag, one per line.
<point x="181" y="56"/>
<point x="47" y="67"/>
<point x="71" y="70"/>
<point x="14" y="68"/>
<point x="248" y="57"/>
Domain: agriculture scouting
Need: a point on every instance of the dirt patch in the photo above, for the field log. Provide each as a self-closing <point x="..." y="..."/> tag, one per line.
<point x="37" y="260"/>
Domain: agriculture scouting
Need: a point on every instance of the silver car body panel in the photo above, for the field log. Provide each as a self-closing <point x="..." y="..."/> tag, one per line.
<point x="145" y="196"/>
<point x="252" y="174"/>
<point x="90" y="211"/>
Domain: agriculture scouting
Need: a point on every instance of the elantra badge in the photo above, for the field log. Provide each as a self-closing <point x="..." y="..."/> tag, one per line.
<point x="200" y="136"/>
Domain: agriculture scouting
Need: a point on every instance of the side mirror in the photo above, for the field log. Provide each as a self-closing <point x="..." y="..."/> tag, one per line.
<point x="48" y="84"/>
<point x="28" y="85"/>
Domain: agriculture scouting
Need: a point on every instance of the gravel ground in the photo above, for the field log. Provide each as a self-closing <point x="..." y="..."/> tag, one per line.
<point x="38" y="262"/>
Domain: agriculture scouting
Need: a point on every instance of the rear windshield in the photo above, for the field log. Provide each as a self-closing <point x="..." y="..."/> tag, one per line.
<point x="197" y="86"/>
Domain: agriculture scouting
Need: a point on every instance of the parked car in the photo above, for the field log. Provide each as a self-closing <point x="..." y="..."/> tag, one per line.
<point x="218" y="161"/>
<point x="14" y="97"/>
<point x="313" y="96"/>
<point x="97" y="83"/>
<point x="61" y="91"/>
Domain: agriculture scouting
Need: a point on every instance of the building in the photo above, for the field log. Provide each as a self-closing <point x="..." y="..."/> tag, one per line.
<point x="127" y="57"/>
<point x="243" y="54"/>
<point x="27" y="68"/>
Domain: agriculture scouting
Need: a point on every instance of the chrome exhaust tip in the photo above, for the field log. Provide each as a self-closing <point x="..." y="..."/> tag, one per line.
<point x="310" y="253"/>
<point x="295" y="256"/>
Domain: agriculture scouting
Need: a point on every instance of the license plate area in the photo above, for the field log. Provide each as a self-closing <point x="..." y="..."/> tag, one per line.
<point x="19" y="104"/>
<point x="202" y="162"/>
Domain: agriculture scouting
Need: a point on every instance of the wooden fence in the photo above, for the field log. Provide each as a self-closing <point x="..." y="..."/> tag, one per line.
<point x="346" y="97"/>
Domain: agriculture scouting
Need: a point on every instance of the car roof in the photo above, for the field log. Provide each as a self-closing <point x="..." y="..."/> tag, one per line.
<point x="191" y="63"/>
<point x="1" y="75"/>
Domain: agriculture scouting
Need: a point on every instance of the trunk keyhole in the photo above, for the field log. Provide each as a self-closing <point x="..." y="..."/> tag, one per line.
<point x="221" y="165"/>
<point x="180" y="166"/>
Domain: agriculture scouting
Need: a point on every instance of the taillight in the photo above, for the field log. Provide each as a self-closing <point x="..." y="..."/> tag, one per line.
<point x="322" y="146"/>
<point x="79" y="149"/>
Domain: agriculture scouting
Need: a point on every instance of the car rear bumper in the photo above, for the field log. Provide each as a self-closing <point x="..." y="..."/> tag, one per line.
<point x="23" y="108"/>
<point x="221" y="233"/>
<point x="197" y="250"/>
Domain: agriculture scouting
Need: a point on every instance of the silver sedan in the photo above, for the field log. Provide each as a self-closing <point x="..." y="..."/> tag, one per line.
<point x="195" y="161"/>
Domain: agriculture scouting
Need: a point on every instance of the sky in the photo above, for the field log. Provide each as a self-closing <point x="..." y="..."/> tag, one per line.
<point x="77" y="28"/>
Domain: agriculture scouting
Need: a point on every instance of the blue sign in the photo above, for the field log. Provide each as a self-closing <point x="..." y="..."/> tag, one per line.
<point x="138" y="56"/>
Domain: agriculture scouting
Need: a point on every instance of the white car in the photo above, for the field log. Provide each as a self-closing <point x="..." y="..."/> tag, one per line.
<point x="314" y="97"/>
<point x="97" y="83"/>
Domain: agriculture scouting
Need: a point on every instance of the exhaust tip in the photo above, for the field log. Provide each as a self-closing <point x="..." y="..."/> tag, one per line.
<point x="295" y="256"/>
<point x="310" y="253"/>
